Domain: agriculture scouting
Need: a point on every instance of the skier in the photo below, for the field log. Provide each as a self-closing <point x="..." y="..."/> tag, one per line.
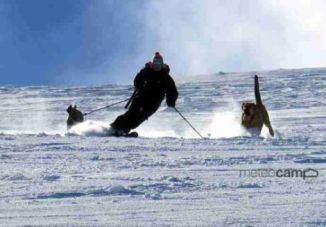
<point x="255" y="115"/>
<point x="151" y="85"/>
<point x="75" y="116"/>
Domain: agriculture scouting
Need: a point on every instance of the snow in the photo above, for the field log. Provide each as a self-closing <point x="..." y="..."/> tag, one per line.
<point x="167" y="176"/>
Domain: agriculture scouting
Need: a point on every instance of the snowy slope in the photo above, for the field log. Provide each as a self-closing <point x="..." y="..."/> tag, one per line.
<point x="167" y="176"/>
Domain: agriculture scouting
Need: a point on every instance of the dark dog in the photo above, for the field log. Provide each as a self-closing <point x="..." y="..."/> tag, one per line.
<point x="255" y="115"/>
<point x="75" y="116"/>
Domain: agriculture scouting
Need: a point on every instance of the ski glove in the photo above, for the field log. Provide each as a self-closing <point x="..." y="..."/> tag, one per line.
<point x="170" y="104"/>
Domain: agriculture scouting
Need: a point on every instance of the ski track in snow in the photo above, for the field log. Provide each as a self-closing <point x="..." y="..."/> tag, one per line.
<point x="167" y="176"/>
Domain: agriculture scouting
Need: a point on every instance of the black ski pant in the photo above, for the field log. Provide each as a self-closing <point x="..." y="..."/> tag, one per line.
<point x="140" y="110"/>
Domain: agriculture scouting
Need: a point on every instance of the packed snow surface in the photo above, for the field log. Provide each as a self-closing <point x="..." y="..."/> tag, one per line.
<point x="168" y="176"/>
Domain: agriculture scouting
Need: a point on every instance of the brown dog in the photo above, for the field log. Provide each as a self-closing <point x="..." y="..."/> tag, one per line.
<point x="75" y="116"/>
<point x="255" y="115"/>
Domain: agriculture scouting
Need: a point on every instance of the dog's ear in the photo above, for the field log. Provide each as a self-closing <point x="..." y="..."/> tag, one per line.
<point x="75" y="107"/>
<point x="243" y="106"/>
<point x="69" y="109"/>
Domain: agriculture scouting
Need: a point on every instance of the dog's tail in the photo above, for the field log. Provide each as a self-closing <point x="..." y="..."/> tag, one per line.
<point x="257" y="92"/>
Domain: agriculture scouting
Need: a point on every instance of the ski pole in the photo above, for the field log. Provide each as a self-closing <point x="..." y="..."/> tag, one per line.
<point x="130" y="99"/>
<point x="113" y="104"/>
<point x="188" y="122"/>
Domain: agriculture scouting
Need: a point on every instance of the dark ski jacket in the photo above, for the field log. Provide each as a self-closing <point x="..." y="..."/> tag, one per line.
<point x="154" y="85"/>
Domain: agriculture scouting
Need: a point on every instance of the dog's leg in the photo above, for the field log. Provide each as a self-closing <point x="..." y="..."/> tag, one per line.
<point x="266" y="120"/>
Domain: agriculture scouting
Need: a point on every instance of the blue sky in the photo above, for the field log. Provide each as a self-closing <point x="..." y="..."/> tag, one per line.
<point x="62" y="41"/>
<point x="70" y="42"/>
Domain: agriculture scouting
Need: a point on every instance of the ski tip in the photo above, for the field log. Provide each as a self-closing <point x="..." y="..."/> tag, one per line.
<point x="132" y="134"/>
